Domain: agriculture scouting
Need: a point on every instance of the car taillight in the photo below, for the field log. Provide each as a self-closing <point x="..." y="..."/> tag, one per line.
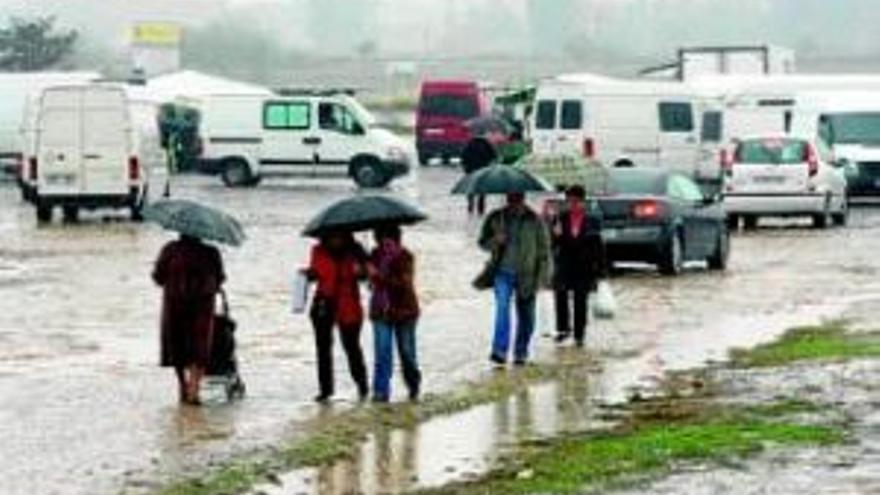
<point x="589" y="148"/>
<point x="33" y="168"/>
<point x="134" y="169"/>
<point x="647" y="209"/>
<point x="725" y="158"/>
<point x="812" y="159"/>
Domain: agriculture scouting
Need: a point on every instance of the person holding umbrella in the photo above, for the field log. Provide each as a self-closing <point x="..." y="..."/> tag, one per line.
<point x="394" y="310"/>
<point x="579" y="264"/>
<point x="519" y="244"/>
<point x="191" y="275"/>
<point x="337" y="264"/>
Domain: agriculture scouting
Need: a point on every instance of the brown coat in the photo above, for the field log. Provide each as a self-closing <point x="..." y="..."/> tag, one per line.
<point x="190" y="274"/>
<point x="394" y="298"/>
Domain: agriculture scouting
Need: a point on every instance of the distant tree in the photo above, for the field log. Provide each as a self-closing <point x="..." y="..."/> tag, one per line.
<point x="34" y="44"/>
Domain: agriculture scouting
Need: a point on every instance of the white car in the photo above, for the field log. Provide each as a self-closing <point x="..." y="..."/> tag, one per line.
<point x="784" y="176"/>
<point x="302" y="134"/>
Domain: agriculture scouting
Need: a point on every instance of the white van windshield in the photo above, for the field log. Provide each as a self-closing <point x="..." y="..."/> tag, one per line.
<point x="854" y="128"/>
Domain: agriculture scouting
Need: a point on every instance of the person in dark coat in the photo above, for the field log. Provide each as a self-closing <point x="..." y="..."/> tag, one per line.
<point x="579" y="263"/>
<point x="191" y="275"/>
<point x="477" y="154"/>
<point x="337" y="264"/>
<point x="394" y="310"/>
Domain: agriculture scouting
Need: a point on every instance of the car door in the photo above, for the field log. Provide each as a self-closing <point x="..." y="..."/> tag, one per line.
<point x="59" y="142"/>
<point x="341" y="138"/>
<point x="678" y="136"/>
<point x="106" y="142"/>
<point x="700" y="220"/>
<point x="289" y="143"/>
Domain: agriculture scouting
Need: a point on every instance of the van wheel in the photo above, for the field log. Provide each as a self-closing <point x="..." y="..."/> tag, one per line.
<point x="732" y="223"/>
<point x="750" y="222"/>
<point x="424" y="159"/>
<point x="673" y="256"/>
<point x="44" y="213"/>
<point x="367" y="174"/>
<point x="71" y="214"/>
<point x="236" y="173"/>
<point x="624" y="164"/>
<point x="841" y="218"/>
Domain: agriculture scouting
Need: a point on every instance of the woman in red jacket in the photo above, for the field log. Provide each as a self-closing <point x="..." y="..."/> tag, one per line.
<point x="337" y="264"/>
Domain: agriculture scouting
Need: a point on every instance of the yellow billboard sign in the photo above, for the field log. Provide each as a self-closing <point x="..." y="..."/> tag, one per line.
<point x="156" y="34"/>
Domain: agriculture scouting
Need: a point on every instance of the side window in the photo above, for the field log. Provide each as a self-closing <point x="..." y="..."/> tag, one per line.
<point x="336" y="117"/>
<point x="572" y="115"/>
<point x="712" y="127"/>
<point x="676" y="117"/>
<point x="546" y="115"/>
<point x="826" y="132"/>
<point x="287" y="115"/>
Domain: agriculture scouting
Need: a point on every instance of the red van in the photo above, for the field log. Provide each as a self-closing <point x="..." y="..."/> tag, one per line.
<point x="444" y="108"/>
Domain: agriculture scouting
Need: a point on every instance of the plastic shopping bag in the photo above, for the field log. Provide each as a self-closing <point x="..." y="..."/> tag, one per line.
<point x="604" y="305"/>
<point x="300" y="292"/>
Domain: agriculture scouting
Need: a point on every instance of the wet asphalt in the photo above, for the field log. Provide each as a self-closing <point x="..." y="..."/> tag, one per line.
<point x="86" y="409"/>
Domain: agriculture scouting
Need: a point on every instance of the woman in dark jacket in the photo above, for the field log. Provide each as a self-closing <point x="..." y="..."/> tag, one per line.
<point x="579" y="264"/>
<point x="394" y="310"/>
<point x="190" y="274"/>
<point x="337" y="264"/>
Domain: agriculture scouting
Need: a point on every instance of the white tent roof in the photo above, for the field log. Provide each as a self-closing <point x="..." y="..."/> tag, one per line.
<point x="192" y="85"/>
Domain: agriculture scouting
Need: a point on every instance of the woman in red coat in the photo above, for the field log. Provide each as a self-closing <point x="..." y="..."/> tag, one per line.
<point x="337" y="264"/>
<point x="190" y="274"/>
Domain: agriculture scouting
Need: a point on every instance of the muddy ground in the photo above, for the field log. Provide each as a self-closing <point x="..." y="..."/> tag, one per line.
<point x="86" y="410"/>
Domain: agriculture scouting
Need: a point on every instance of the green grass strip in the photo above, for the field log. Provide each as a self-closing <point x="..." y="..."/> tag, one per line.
<point x="826" y="342"/>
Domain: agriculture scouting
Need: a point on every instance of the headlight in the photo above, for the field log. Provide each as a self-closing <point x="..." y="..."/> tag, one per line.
<point x="396" y="154"/>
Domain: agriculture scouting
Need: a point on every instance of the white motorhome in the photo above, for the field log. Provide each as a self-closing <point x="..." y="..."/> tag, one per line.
<point x="15" y="90"/>
<point x="302" y="134"/>
<point x="848" y="123"/>
<point x="91" y="146"/>
<point x="626" y="123"/>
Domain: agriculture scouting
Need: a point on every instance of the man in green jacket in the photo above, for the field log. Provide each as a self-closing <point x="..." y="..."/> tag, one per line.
<point x="520" y="245"/>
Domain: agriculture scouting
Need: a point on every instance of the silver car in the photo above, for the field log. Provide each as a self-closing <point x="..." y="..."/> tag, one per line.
<point x="784" y="176"/>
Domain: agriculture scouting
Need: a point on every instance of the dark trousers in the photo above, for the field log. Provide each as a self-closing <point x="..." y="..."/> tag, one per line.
<point x="565" y="299"/>
<point x="476" y="203"/>
<point x="351" y="343"/>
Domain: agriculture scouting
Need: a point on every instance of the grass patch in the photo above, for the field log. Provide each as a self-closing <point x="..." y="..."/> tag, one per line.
<point x="826" y="342"/>
<point x="339" y="436"/>
<point x="590" y="462"/>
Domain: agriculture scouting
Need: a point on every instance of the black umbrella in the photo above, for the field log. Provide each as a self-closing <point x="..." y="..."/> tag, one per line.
<point x="363" y="213"/>
<point x="501" y="179"/>
<point x="196" y="220"/>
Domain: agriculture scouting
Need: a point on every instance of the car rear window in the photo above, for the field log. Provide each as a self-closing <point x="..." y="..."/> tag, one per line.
<point x="636" y="182"/>
<point x="774" y="151"/>
<point x="546" y="115"/>
<point x="458" y="106"/>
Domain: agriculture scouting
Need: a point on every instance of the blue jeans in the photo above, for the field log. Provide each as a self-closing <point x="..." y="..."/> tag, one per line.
<point x="505" y="290"/>
<point x="384" y="336"/>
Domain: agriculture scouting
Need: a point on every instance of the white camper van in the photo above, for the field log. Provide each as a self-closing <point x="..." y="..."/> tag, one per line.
<point x="88" y="147"/>
<point x="302" y="134"/>
<point x="623" y="124"/>
<point x="848" y="123"/>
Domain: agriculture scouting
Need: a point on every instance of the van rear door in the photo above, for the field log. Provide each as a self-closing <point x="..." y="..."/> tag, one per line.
<point x="679" y="146"/>
<point x="59" y="128"/>
<point x="106" y="143"/>
<point x="544" y="132"/>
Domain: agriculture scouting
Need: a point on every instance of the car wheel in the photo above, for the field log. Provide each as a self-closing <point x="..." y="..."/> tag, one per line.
<point x="367" y="174"/>
<point x="44" y="213"/>
<point x="823" y="220"/>
<point x="750" y="222"/>
<point x="71" y="214"/>
<point x="424" y="159"/>
<point x="673" y="256"/>
<point x="841" y="218"/>
<point x="718" y="260"/>
<point x="236" y="173"/>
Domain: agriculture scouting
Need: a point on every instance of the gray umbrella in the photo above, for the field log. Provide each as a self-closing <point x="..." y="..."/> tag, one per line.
<point x="363" y="213"/>
<point x="501" y="179"/>
<point x="196" y="220"/>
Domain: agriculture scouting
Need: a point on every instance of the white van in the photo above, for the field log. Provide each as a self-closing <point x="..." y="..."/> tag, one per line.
<point x="848" y="123"/>
<point x="305" y="134"/>
<point x="88" y="147"/>
<point x="624" y="124"/>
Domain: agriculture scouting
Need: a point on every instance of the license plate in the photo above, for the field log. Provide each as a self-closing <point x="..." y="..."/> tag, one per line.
<point x="64" y="179"/>
<point x="769" y="179"/>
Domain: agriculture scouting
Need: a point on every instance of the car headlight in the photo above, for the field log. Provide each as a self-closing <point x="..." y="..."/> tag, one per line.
<point x="396" y="154"/>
